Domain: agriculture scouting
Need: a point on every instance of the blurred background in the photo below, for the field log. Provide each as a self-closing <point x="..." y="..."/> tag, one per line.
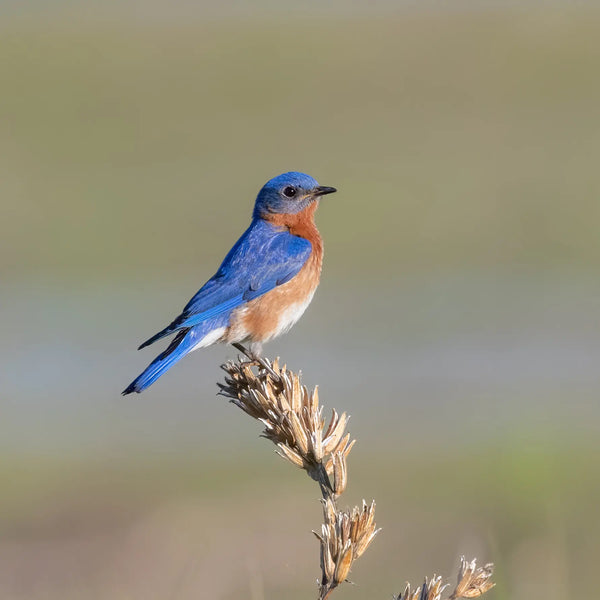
<point x="458" y="319"/>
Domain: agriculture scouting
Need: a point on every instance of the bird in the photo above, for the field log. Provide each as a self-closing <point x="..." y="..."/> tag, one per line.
<point x="264" y="284"/>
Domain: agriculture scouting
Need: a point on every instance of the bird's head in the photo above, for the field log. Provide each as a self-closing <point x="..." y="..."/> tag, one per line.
<point x="288" y="193"/>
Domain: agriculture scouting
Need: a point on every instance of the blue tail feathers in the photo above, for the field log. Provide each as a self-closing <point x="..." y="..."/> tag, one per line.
<point x="161" y="334"/>
<point x="183" y="343"/>
<point x="176" y="350"/>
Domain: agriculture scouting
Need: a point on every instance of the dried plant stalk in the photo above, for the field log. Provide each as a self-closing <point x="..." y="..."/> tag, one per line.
<point x="293" y="420"/>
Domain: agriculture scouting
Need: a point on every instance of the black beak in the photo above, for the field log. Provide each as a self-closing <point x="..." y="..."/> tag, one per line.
<point x="323" y="190"/>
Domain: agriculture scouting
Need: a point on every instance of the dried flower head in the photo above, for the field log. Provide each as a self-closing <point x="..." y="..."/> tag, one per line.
<point x="344" y="537"/>
<point x="472" y="581"/>
<point x="293" y="420"/>
<point x="430" y="590"/>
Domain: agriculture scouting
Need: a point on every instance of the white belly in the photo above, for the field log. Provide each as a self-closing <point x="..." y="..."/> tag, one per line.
<point x="289" y="316"/>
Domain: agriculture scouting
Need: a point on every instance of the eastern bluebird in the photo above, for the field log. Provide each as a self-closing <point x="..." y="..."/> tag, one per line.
<point x="264" y="284"/>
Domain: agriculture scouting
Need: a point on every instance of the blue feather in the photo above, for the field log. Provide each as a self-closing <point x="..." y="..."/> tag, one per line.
<point x="263" y="258"/>
<point x="183" y="343"/>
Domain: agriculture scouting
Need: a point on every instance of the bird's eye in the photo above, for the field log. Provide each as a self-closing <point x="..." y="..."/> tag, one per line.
<point x="289" y="191"/>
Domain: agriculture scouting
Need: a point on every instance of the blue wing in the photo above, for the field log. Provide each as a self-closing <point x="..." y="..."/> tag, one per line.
<point x="263" y="258"/>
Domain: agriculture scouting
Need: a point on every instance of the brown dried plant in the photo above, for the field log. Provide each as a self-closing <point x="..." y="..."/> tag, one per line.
<point x="472" y="582"/>
<point x="293" y="420"/>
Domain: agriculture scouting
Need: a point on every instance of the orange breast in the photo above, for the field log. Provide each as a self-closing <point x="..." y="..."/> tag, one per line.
<point x="276" y="311"/>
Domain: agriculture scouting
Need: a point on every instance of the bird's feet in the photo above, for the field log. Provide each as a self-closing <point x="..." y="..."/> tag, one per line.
<point x="246" y="351"/>
<point x="253" y="353"/>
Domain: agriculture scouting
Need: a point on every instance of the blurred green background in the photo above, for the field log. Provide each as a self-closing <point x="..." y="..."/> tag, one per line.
<point x="458" y="319"/>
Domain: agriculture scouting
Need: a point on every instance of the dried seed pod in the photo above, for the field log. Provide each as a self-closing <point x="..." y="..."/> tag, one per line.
<point x="340" y="477"/>
<point x="332" y="440"/>
<point x="314" y="399"/>
<point x="328" y="566"/>
<point x="329" y="511"/>
<point x="342" y="568"/>
<point x="316" y="446"/>
<point x="329" y="466"/>
<point x="287" y="453"/>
